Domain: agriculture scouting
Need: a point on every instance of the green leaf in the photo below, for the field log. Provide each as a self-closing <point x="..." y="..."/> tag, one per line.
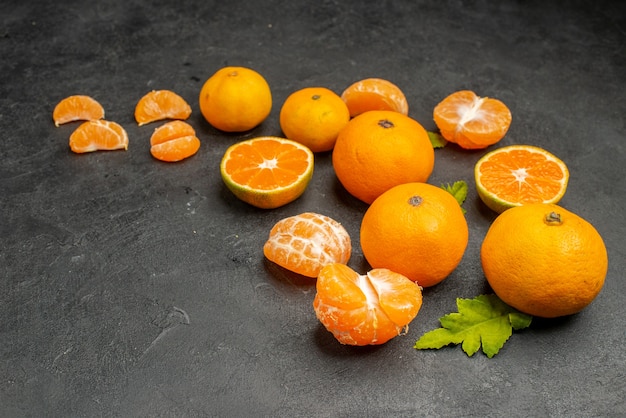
<point x="485" y="320"/>
<point x="437" y="140"/>
<point x="458" y="189"/>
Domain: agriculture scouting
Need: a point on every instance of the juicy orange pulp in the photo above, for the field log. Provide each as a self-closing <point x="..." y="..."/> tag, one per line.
<point x="161" y="104"/>
<point x="174" y="141"/>
<point x="98" y="135"/>
<point x="78" y="107"/>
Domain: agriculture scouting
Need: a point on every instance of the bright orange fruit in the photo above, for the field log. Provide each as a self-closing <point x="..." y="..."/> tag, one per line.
<point x="98" y="135"/>
<point x="267" y="172"/>
<point x="78" y="107"/>
<point x="374" y="94"/>
<point x="174" y="141"/>
<point x="161" y="104"/>
<point x="471" y="121"/>
<point x="365" y="309"/>
<point x="306" y="242"/>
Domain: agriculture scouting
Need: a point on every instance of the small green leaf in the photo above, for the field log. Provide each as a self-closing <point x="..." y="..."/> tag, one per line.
<point x="437" y="140"/>
<point x="485" y="320"/>
<point x="458" y="189"/>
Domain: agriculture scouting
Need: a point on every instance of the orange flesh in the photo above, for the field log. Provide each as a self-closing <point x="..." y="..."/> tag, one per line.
<point x="98" y="135"/>
<point x="159" y="105"/>
<point x="75" y="108"/>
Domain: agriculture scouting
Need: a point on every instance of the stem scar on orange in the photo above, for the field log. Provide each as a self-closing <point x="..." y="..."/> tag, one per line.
<point x="374" y="94"/>
<point x="161" y="104"/>
<point x="77" y="107"/>
<point x="267" y="172"/>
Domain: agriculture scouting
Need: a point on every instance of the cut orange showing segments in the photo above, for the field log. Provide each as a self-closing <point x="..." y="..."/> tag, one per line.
<point x="98" y="135"/>
<point x="374" y="94"/>
<point x="306" y="242"/>
<point x="174" y="141"/>
<point x="267" y="172"/>
<point x="161" y="104"/>
<point x="365" y="309"/>
<point x="471" y="121"/>
<point x="78" y="107"/>
<point x="520" y="174"/>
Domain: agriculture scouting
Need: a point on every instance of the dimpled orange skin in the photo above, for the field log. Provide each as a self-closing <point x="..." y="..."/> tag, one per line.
<point x="366" y="309"/>
<point x="380" y="149"/>
<point x="374" y="94"/>
<point x="417" y="230"/>
<point x="543" y="265"/>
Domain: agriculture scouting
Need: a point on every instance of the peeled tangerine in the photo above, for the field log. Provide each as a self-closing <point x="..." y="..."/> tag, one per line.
<point x="368" y="309"/>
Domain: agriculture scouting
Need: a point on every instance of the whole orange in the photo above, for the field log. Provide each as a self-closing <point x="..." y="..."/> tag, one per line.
<point x="544" y="260"/>
<point x="313" y="116"/>
<point x="235" y="99"/>
<point x="380" y="149"/>
<point x="417" y="230"/>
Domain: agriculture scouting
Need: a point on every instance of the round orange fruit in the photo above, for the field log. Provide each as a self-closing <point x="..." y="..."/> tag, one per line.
<point x="313" y="116"/>
<point x="235" y="99"/>
<point x="417" y="230"/>
<point x="380" y="149"/>
<point x="544" y="260"/>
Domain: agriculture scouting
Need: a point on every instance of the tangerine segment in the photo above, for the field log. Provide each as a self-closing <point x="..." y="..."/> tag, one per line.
<point x="267" y="172"/>
<point x="520" y="174"/>
<point x="98" y="135"/>
<point x="171" y="130"/>
<point x="174" y="141"/>
<point x="159" y="105"/>
<point x="307" y="242"/>
<point x="365" y="309"/>
<point x="374" y="94"/>
<point x="471" y="121"/>
<point x="78" y="107"/>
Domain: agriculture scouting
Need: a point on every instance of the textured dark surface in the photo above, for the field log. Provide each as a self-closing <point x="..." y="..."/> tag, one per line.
<point x="130" y="287"/>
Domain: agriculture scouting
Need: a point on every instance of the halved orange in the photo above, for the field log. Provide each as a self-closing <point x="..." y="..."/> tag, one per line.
<point x="471" y="121"/>
<point x="374" y="94"/>
<point x="77" y="107"/>
<point x="98" y="135"/>
<point x="520" y="174"/>
<point x="267" y="172"/>
<point x="306" y="242"/>
<point x="161" y="104"/>
<point x="365" y="309"/>
<point x="174" y="141"/>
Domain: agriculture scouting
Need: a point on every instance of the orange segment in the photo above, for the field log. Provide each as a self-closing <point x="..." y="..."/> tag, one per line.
<point x="174" y="141"/>
<point x="307" y="242"/>
<point x="75" y="108"/>
<point x="98" y="135"/>
<point x="159" y="105"/>
<point x="267" y="172"/>
<point x="365" y="309"/>
<point x="520" y="174"/>
<point x="471" y="121"/>
<point x="374" y="94"/>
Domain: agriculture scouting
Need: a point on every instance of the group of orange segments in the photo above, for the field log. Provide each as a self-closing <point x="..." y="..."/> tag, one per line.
<point x="537" y="257"/>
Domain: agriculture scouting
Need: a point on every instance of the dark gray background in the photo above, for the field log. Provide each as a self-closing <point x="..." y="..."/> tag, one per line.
<point x="131" y="287"/>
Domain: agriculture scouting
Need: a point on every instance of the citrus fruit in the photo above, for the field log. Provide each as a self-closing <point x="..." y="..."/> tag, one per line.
<point x="78" y="107"/>
<point x="374" y="94"/>
<point x="519" y="174"/>
<point x="235" y="99"/>
<point x="174" y="141"/>
<point x="306" y="242"/>
<point x="365" y="309"/>
<point x="313" y="116"/>
<point x="417" y="230"/>
<point x="544" y="260"/>
<point x="380" y="149"/>
<point x="471" y="121"/>
<point x="161" y="104"/>
<point x="98" y="135"/>
<point x="267" y="172"/>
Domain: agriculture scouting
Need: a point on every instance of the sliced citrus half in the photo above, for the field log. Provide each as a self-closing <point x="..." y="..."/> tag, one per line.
<point x="471" y="121"/>
<point x="267" y="172"/>
<point x="365" y="309"/>
<point x="98" y="135"/>
<point x="174" y="141"/>
<point x="374" y="94"/>
<point x="520" y="174"/>
<point x="161" y="104"/>
<point x="77" y="107"/>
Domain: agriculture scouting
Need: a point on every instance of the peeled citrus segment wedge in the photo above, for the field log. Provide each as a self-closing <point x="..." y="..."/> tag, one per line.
<point x="174" y="141"/>
<point x="78" y="107"/>
<point x="374" y="94"/>
<point x="365" y="309"/>
<point x="98" y="135"/>
<point x="306" y="242"/>
<point x="520" y="174"/>
<point x="161" y="104"/>
<point x="267" y="172"/>
<point x="471" y="121"/>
